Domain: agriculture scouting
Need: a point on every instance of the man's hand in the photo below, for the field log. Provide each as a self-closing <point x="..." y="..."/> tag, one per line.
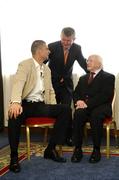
<point x="15" y="109"/>
<point x="80" y="104"/>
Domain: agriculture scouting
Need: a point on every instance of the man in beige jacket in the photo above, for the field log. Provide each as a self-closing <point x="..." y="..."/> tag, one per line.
<point x="33" y="96"/>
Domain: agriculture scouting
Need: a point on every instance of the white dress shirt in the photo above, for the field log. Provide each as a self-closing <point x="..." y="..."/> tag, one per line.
<point x="37" y="94"/>
<point x="96" y="72"/>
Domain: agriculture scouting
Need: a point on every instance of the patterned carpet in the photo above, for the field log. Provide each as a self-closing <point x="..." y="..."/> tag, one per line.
<point x="38" y="149"/>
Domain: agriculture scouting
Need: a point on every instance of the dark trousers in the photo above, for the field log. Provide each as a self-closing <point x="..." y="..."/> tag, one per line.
<point x="95" y="117"/>
<point x="62" y="113"/>
<point x="64" y="96"/>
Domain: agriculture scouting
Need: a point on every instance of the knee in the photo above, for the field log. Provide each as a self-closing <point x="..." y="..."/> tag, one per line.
<point x="96" y="120"/>
<point x="14" y="123"/>
<point x="67" y="108"/>
<point x="11" y="122"/>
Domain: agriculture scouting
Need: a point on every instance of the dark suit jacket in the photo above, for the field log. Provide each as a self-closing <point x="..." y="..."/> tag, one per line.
<point x="99" y="92"/>
<point x="56" y="63"/>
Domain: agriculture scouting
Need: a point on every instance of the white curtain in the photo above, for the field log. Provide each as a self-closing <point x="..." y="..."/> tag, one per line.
<point x="116" y="105"/>
<point x="7" y="87"/>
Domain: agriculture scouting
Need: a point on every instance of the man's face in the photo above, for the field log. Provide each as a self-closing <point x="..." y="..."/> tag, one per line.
<point x="93" y="64"/>
<point x="67" y="41"/>
<point x="44" y="52"/>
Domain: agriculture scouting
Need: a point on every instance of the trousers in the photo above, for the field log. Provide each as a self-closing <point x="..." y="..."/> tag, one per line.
<point x="62" y="113"/>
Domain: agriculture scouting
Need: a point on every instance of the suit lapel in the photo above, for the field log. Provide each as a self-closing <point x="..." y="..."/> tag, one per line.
<point x="96" y="77"/>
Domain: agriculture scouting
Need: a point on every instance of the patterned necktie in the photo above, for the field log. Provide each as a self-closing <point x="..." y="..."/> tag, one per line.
<point x="91" y="77"/>
<point x="65" y="56"/>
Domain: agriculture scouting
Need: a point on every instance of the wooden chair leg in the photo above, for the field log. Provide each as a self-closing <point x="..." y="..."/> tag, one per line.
<point x="85" y="134"/>
<point x="115" y="133"/>
<point x="28" y="141"/>
<point x="60" y="150"/>
<point x="108" y="140"/>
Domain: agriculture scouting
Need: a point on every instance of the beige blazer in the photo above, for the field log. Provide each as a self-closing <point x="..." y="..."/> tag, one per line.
<point x="25" y="79"/>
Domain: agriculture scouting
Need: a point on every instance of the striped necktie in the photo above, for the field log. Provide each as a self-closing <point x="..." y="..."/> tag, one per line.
<point x="91" y="77"/>
<point x="65" y="56"/>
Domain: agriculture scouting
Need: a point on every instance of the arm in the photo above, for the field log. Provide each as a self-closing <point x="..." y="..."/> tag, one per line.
<point x="15" y="108"/>
<point x="54" y="61"/>
<point x="81" y="60"/>
<point x="78" y="101"/>
<point x="49" y="91"/>
<point x="18" y="83"/>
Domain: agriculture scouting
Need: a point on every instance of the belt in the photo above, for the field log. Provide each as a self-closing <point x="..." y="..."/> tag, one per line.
<point x="32" y="101"/>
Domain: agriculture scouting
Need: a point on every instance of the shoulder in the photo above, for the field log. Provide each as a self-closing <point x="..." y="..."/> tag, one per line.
<point x="106" y="77"/>
<point x="54" y="44"/>
<point x="83" y="77"/>
<point x="107" y="74"/>
<point x="47" y="69"/>
<point x="76" y="46"/>
<point x="26" y="65"/>
<point x="26" y="62"/>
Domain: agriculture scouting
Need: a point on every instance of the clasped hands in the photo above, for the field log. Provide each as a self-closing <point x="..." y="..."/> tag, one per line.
<point x="15" y="109"/>
<point x="80" y="104"/>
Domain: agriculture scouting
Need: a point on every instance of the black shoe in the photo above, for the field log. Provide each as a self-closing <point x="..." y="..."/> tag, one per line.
<point x="53" y="154"/>
<point x="69" y="142"/>
<point x="95" y="156"/>
<point x="14" y="166"/>
<point x="77" y="156"/>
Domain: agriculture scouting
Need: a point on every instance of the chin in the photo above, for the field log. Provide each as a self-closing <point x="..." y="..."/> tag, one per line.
<point x="66" y="47"/>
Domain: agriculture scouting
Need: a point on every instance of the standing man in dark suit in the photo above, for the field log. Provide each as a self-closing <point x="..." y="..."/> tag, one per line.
<point x="92" y="99"/>
<point x="62" y="56"/>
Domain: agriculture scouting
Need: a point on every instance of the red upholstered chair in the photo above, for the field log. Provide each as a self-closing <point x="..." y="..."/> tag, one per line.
<point x="107" y="124"/>
<point x="44" y="122"/>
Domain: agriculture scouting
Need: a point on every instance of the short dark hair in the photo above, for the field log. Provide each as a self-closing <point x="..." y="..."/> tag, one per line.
<point x="36" y="44"/>
<point x="68" y="31"/>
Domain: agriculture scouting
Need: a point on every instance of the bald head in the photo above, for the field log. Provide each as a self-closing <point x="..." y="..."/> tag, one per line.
<point x="94" y="63"/>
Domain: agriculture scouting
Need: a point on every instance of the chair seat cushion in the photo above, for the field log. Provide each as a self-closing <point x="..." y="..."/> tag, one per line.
<point x="108" y="120"/>
<point x="40" y="120"/>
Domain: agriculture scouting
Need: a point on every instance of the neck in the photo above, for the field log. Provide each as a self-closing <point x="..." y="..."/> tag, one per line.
<point x="38" y="59"/>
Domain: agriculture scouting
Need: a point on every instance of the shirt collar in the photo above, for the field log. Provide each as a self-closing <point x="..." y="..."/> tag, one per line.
<point x="97" y="71"/>
<point x="37" y="64"/>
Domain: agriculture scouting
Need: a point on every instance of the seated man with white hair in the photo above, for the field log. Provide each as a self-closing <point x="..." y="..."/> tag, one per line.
<point x="92" y="100"/>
